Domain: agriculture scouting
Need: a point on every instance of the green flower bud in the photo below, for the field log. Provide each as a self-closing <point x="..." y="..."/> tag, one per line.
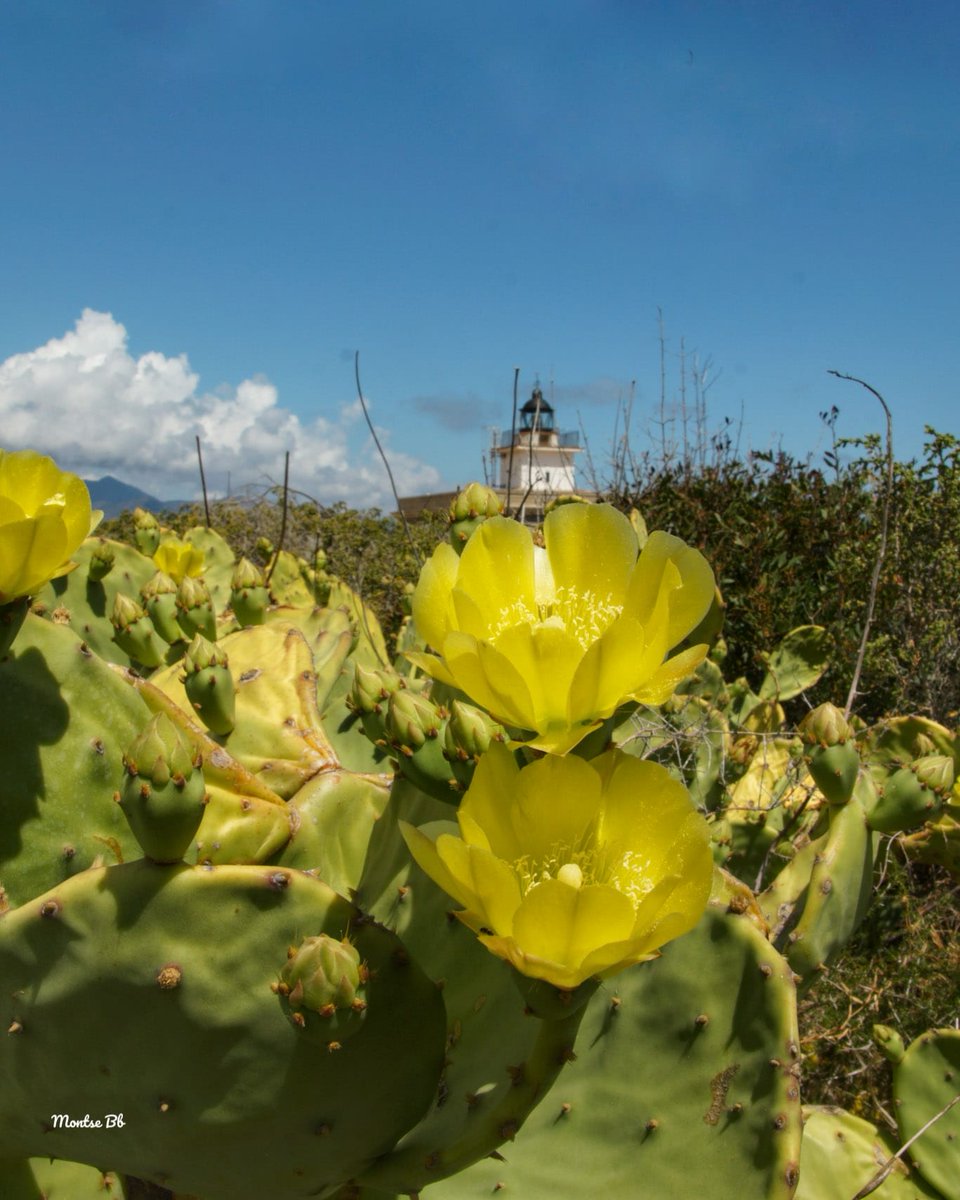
<point x="825" y="726"/>
<point x="101" y="560"/>
<point x="323" y="982"/>
<point x="163" y="794"/>
<point x="209" y="685"/>
<point x="833" y="759"/>
<point x="411" y="720"/>
<point x="249" y="596"/>
<point x="469" y="732"/>
<point x="246" y="575"/>
<point x="558" y="501"/>
<point x="195" y="608"/>
<point x="371" y="688"/>
<point x="146" y="531"/>
<point x="134" y="633"/>
<point x="889" y="1042"/>
<point x="159" y="595"/>
<point x="936" y="771"/>
<point x="469" y="509"/>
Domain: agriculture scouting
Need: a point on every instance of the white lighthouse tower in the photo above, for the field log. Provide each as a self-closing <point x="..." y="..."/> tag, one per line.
<point x="535" y="462"/>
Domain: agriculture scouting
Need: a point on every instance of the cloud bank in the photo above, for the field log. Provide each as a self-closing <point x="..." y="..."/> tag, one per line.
<point x="85" y="400"/>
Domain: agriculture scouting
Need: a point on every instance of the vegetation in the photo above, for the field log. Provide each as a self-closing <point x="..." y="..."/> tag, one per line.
<point x="792" y="544"/>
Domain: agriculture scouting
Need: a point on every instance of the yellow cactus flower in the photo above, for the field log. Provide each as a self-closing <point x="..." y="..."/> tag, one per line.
<point x="553" y="639"/>
<point x="570" y="869"/>
<point x="45" y="514"/>
<point x="178" y="559"/>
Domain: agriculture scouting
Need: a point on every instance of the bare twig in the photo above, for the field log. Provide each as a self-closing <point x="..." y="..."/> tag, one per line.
<point x="535" y="428"/>
<point x="513" y="438"/>
<point x="203" y="483"/>
<point x="884" y="526"/>
<point x="872" y="1184"/>
<point x="591" y="470"/>
<point x="283" y="517"/>
<point x="376" y="442"/>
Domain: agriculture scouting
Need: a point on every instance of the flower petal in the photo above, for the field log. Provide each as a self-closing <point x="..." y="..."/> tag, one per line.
<point x="546" y="657"/>
<point x="592" y="548"/>
<point x="31" y="551"/>
<point x="489" y="802"/>
<point x="489" y="679"/>
<point x="562" y="924"/>
<point x="555" y="803"/>
<point x="667" y="562"/>
<point x="431" y="665"/>
<point x="612" y="669"/>
<point x="669" y="675"/>
<point x="490" y="880"/>
<point x="427" y="857"/>
<point x="432" y="605"/>
<point x="497" y="572"/>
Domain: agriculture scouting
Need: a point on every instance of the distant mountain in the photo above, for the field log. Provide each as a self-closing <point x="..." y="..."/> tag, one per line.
<point x="115" y="497"/>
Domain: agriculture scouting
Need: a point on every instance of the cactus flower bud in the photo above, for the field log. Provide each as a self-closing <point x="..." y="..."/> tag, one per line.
<point x="209" y="685"/>
<point x="825" y="726"/>
<point x="468" y="734"/>
<point x="159" y="596"/>
<point x="101" y="560"/>
<point x="566" y="498"/>
<point x="163" y="794"/>
<point x="889" y="1042"/>
<point x="146" y="531"/>
<point x="936" y="771"/>
<point x="134" y="633"/>
<point x="411" y="719"/>
<point x="249" y="596"/>
<point x="833" y="759"/>
<point x="469" y="509"/>
<point x="371" y="688"/>
<point x="324" y="982"/>
<point x="195" y="608"/>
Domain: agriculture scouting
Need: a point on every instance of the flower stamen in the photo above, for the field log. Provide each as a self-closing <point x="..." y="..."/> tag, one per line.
<point x="584" y="615"/>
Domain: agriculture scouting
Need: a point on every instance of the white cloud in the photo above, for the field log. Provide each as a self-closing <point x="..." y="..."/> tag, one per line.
<point x="85" y="400"/>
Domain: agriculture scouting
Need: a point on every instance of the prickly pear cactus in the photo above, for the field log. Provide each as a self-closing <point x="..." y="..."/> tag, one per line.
<point x="288" y="916"/>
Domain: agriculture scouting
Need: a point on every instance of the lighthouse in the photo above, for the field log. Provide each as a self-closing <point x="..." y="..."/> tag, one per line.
<point x="534" y="462"/>
<point x="530" y="464"/>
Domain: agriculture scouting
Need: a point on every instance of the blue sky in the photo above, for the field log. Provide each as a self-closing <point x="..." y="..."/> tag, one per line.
<point x="208" y="207"/>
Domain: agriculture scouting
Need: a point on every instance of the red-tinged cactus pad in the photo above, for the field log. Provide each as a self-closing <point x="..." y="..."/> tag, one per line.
<point x="840" y="1153"/>
<point x="65" y="719"/>
<point x="926" y="1083"/>
<point x="154" y="992"/>
<point x="685" y="1084"/>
